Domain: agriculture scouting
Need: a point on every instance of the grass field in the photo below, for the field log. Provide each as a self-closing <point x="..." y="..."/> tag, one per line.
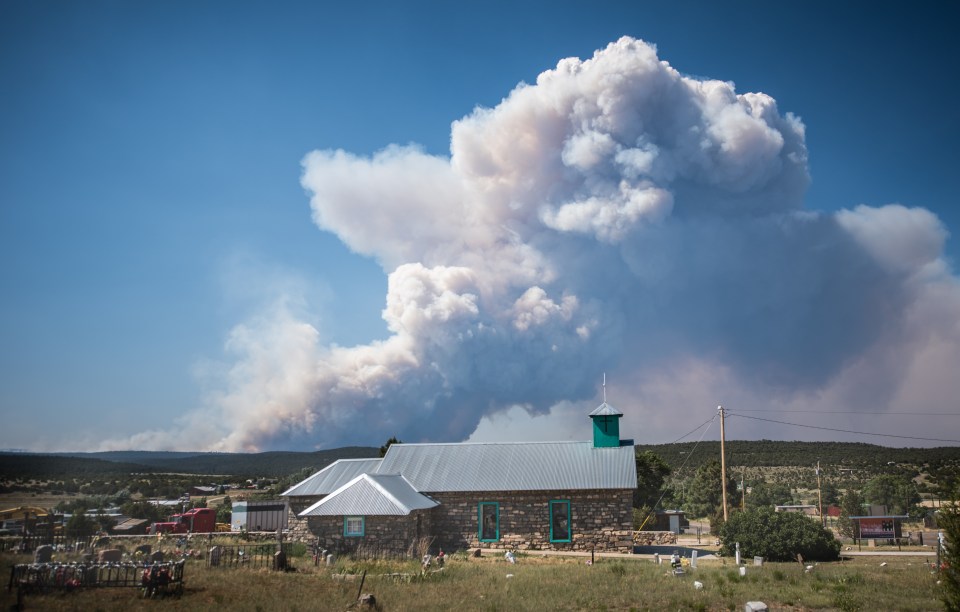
<point x="533" y="583"/>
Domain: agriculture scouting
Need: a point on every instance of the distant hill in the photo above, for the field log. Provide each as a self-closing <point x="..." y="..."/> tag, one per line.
<point x="275" y="464"/>
<point x="774" y="453"/>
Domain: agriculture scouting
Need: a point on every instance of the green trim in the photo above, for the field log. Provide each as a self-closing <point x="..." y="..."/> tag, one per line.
<point x="496" y="513"/>
<point x="354" y="534"/>
<point x="556" y="534"/>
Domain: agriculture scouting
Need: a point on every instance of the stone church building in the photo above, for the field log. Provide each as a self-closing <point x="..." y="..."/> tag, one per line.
<point x="527" y="496"/>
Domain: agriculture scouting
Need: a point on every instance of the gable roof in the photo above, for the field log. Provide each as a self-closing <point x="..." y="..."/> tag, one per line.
<point x="372" y="495"/>
<point x="332" y="477"/>
<point x="523" y="466"/>
<point x="605" y="409"/>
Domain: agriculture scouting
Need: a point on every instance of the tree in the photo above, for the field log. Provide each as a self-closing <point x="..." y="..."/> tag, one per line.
<point x="704" y="495"/>
<point x="652" y="471"/>
<point x="949" y="521"/>
<point x="897" y="493"/>
<point x="766" y="495"/>
<point x="80" y="526"/>
<point x="392" y="440"/>
<point x="851" y="504"/>
<point x="225" y="510"/>
<point x="142" y="510"/>
<point x="778" y="536"/>
<point x="830" y="494"/>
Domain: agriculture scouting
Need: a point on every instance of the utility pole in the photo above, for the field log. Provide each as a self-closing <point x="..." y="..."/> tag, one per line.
<point x="723" y="465"/>
<point x="819" y="495"/>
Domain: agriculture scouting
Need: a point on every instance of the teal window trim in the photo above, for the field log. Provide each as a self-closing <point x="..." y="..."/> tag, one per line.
<point x="556" y="535"/>
<point x="348" y="533"/>
<point x="480" y="517"/>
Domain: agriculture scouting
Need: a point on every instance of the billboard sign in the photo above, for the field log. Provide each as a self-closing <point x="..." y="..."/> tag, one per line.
<point x="878" y="527"/>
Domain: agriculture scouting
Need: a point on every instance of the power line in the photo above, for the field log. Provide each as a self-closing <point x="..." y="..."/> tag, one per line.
<point x="862" y="433"/>
<point x="708" y="421"/>
<point x="856" y="412"/>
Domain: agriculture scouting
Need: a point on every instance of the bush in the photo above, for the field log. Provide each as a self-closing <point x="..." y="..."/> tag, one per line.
<point x="778" y="536"/>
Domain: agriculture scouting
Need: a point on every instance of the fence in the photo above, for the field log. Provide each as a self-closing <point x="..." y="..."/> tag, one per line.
<point x="29" y="543"/>
<point x="254" y="556"/>
<point x="155" y="579"/>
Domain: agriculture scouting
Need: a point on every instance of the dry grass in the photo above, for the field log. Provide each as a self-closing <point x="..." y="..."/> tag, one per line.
<point x="535" y="583"/>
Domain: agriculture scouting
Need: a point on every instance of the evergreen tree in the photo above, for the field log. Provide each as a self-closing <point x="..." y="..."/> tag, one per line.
<point x="392" y="440"/>
<point x="652" y="471"/>
<point x="851" y="504"/>
<point x="705" y="495"/>
<point x="949" y="521"/>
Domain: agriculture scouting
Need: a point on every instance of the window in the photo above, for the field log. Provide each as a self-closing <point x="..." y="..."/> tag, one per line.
<point x="560" y="521"/>
<point x="353" y="526"/>
<point x="489" y="521"/>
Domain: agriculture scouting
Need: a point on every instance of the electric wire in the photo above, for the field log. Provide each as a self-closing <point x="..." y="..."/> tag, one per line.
<point x="854" y="412"/>
<point x="862" y="433"/>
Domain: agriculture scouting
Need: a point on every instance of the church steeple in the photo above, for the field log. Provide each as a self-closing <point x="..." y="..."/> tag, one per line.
<point x="606" y="423"/>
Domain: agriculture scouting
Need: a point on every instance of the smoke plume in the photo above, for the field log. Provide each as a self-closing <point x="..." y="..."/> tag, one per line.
<point x="616" y="216"/>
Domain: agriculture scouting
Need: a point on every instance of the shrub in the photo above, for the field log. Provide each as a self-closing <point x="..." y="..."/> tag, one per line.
<point x="778" y="536"/>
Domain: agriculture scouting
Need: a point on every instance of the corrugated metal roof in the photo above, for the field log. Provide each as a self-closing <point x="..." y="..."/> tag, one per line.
<point x="526" y="466"/>
<point x="332" y="477"/>
<point x="372" y="495"/>
<point x="605" y="409"/>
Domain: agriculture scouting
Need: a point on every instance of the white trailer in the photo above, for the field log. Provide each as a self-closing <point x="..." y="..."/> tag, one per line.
<point x="258" y="515"/>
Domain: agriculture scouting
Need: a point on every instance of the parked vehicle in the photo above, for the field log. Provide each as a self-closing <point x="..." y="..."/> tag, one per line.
<point x="195" y="520"/>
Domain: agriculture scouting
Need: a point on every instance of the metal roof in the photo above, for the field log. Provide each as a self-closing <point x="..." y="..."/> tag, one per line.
<point x="524" y="466"/>
<point x="605" y="409"/>
<point x="332" y="477"/>
<point x="372" y="495"/>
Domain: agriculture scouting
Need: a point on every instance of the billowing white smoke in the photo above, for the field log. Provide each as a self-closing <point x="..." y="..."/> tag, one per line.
<point x="616" y="216"/>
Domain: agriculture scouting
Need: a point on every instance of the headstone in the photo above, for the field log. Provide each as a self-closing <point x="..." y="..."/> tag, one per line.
<point x="110" y="555"/>
<point x="280" y="561"/>
<point x="755" y="606"/>
<point x="758" y="561"/>
<point x="157" y="556"/>
<point x="693" y="559"/>
<point x="143" y="549"/>
<point x="367" y="600"/>
<point x="215" y="553"/>
<point x="738" y="553"/>
<point x="330" y="559"/>
<point x="657" y="559"/>
<point x="43" y="554"/>
<point x="743" y="570"/>
<point x="476" y="554"/>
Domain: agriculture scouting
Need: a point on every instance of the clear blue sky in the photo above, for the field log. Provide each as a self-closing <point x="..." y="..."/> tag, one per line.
<point x="150" y="159"/>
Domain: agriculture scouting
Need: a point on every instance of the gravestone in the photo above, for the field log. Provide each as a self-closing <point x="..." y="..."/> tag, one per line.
<point x="43" y="554"/>
<point x="143" y="549"/>
<point x="110" y="555"/>
<point x="215" y="553"/>
<point x="280" y="561"/>
<point x="157" y="556"/>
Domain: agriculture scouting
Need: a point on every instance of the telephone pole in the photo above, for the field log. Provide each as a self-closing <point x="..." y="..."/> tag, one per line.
<point x="723" y="465"/>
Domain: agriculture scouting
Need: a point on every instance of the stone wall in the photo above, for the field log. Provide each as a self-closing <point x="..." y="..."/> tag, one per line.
<point x="299" y="528"/>
<point x="600" y="519"/>
<point x="382" y="535"/>
<point x="654" y="538"/>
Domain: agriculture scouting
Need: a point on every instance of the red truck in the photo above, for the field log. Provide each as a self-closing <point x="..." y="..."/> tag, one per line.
<point x="195" y="520"/>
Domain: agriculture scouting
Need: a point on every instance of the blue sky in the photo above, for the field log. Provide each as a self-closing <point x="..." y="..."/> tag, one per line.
<point x="150" y="183"/>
